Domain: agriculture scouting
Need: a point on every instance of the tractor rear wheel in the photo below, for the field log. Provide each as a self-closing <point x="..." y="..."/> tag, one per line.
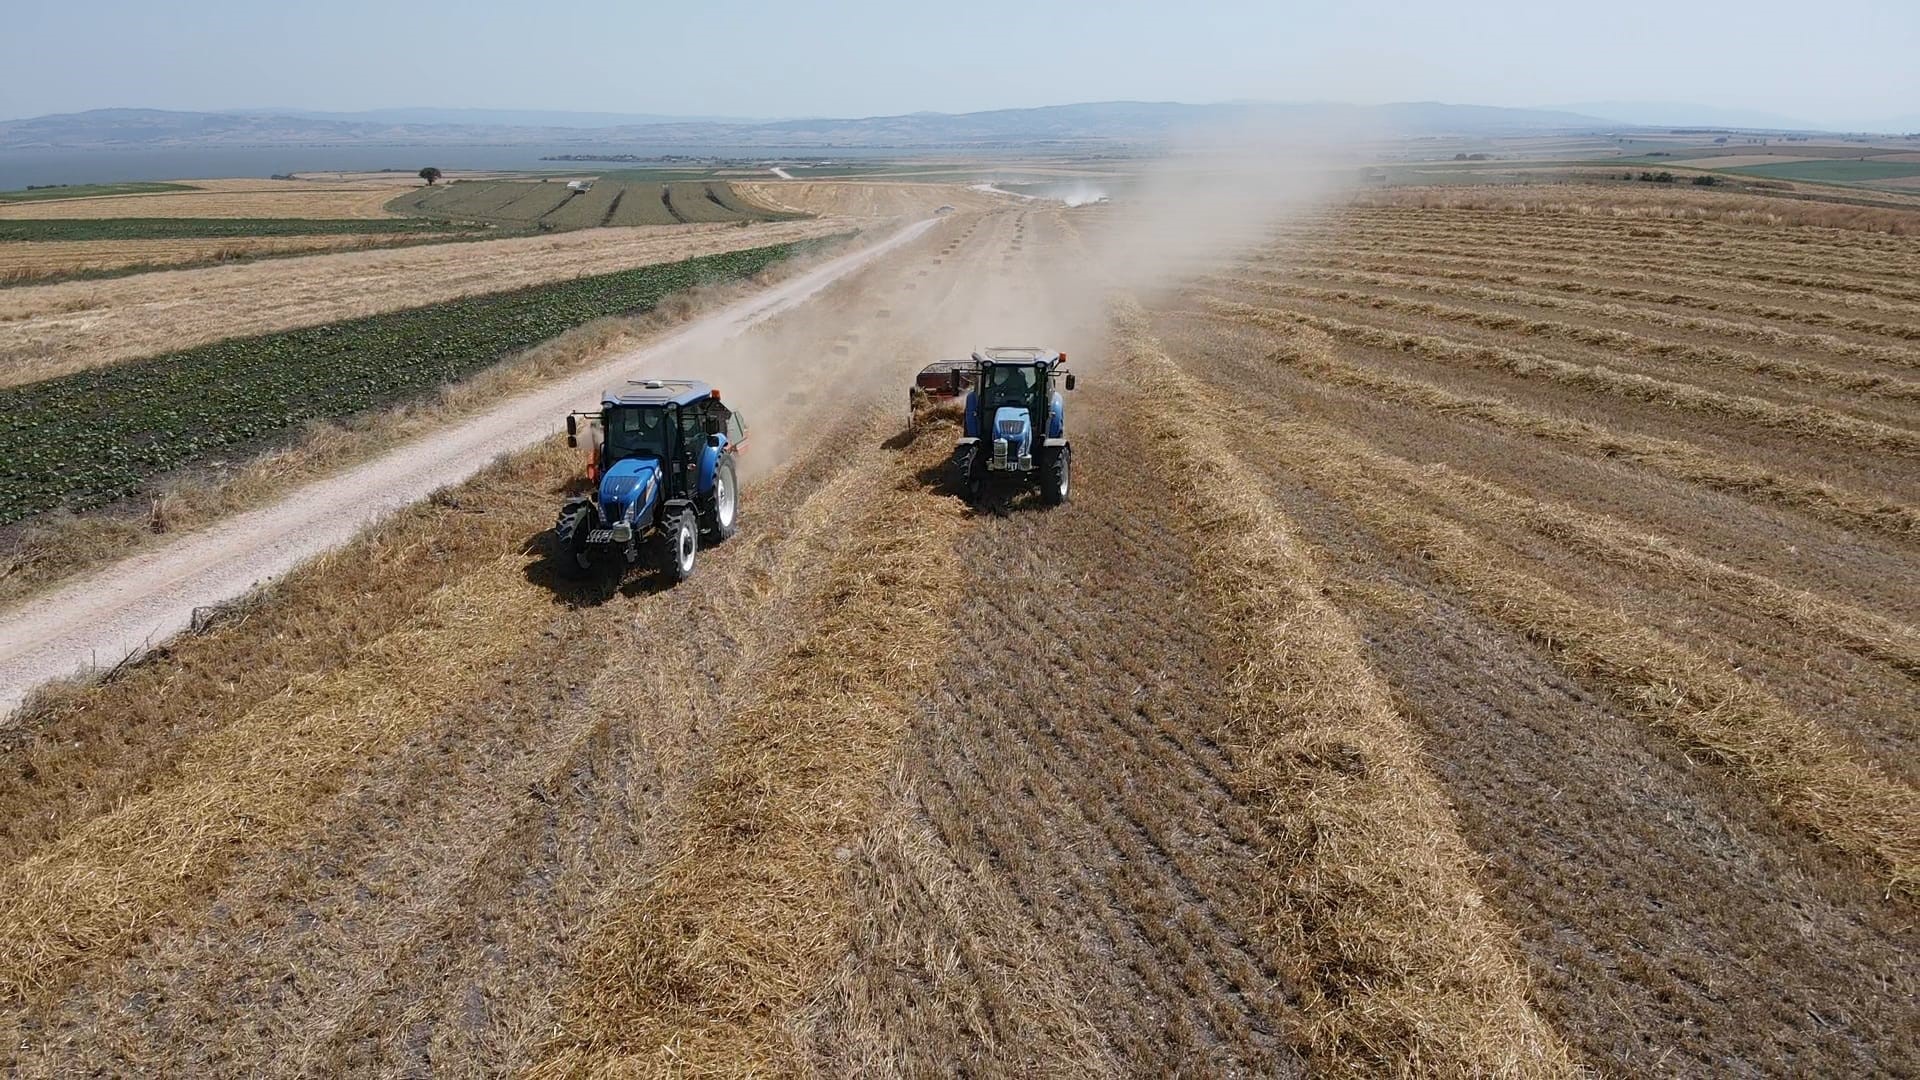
<point x="677" y="547"/>
<point x="720" y="520"/>
<point x="1058" y="477"/>
<point x="570" y="536"/>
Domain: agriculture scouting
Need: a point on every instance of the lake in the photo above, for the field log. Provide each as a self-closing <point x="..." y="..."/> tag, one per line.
<point x="20" y="168"/>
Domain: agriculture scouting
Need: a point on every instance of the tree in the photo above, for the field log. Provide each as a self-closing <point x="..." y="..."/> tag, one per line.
<point x="429" y="174"/>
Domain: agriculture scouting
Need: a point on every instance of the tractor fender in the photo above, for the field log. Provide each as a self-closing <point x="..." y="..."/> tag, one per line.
<point x="574" y="505"/>
<point x="1055" y="444"/>
<point x="1056" y="416"/>
<point x="670" y="511"/>
<point x="970" y="419"/>
<point x="710" y="464"/>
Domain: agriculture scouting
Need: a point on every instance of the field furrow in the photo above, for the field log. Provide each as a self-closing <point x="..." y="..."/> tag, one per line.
<point x="1664" y="456"/>
<point x="1849" y="432"/>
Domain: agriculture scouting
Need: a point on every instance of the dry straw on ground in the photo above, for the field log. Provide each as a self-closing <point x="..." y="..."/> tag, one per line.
<point x="706" y="973"/>
<point x="1665" y="457"/>
<point x="1373" y="904"/>
<point x="1807" y="774"/>
<point x="247" y="786"/>
<point x="1798" y="419"/>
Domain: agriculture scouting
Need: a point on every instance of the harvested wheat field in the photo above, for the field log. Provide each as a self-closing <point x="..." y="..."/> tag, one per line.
<point x="1481" y="641"/>
<point x="25" y="263"/>
<point x="864" y="198"/>
<point x="49" y="330"/>
<point x="221" y="199"/>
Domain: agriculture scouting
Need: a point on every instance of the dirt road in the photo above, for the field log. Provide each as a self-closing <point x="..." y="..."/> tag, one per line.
<point x="97" y="623"/>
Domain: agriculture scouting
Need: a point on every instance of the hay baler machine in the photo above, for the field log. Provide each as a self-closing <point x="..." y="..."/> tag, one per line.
<point x="661" y="461"/>
<point x="939" y="382"/>
<point x="1014" y="422"/>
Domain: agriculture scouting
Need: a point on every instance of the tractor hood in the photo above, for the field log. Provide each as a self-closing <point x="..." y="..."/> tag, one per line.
<point x="628" y="488"/>
<point x="1012" y="423"/>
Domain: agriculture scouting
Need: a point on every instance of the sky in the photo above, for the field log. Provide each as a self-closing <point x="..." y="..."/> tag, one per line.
<point x="1841" y="63"/>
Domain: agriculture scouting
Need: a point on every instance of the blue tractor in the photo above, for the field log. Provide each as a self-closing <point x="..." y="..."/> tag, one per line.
<point x="1015" y="424"/>
<point x="662" y="465"/>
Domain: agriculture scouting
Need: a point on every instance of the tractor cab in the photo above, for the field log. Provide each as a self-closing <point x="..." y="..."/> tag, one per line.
<point x="661" y="458"/>
<point x="1015" y="421"/>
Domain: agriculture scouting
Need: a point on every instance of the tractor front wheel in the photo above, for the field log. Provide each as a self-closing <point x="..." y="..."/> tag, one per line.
<point x="970" y="472"/>
<point x="678" y="547"/>
<point x="1058" y="477"/>
<point x="570" y="536"/>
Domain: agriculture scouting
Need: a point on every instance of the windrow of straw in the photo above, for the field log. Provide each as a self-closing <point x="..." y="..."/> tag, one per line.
<point x="1673" y="288"/>
<point x="1626" y="342"/>
<point x="1676" y="245"/>
<point x="1801" y="420"/>
<point x="1490" y="272"/>
<point x="1312" y="355"/>
<point x="247" y="786"/>
<point x="706" y="972"/>
<point x="1808" y="775"/>
<point x="1574" y="258"/>
<point x="1373" y="909"/>
<point x="1597" y="536"/>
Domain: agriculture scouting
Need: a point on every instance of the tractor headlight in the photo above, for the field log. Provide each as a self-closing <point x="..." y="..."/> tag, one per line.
<point x="1000" y="451"/>
<point x="623" y="532"/>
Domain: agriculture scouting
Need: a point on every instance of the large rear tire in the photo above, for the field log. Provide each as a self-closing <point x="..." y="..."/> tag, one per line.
<point x="570" y="537"/>
<point x="721" y="518"/>
<point x="677" y="549"/>
<point x="1057" y="480"/>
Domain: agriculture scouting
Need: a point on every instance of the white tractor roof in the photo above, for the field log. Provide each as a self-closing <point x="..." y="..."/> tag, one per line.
<point x="1014" y="354"/>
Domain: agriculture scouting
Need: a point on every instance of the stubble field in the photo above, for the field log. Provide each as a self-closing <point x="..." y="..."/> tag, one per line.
<point x="1481" y="642"/>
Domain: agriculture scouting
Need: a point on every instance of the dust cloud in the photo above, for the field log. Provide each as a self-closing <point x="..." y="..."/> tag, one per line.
<point x="1041" y="271"/>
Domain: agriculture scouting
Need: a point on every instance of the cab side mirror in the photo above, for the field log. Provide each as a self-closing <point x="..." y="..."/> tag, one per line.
<point x="573" y="431"/>
<point x="1069" y="380"/>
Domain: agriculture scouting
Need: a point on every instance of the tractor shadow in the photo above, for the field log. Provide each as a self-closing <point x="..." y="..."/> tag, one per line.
<point x="942" y="477"/>
<point x="555" y="571"/>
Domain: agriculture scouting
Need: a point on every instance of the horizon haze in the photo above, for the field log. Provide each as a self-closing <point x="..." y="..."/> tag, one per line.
<point x="1850" y="70"/>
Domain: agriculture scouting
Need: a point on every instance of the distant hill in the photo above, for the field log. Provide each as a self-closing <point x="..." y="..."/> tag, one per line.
<point x="1683" y="114"/>
<point x="1095" y="122"/>
<point x="531" y="118"/>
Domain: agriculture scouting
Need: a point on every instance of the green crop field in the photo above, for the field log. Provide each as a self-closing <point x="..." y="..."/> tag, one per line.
<point x="609" y="202"/>
<point x="642" y="204"/>
<point x="67" y="229"/>
<point x="588" y="209"/>
<point x="89" y="438"/>
<point x="87" y="191"/>
<point x="695" y="202"/>
<point x="1839" y="172"/>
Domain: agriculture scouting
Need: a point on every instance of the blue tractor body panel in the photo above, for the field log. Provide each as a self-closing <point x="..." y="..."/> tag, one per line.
<point x="710" y="464"/>
<point x="1057" y="417"/>
<point x="629" y="489"/>
<point x="1015" y="425"/>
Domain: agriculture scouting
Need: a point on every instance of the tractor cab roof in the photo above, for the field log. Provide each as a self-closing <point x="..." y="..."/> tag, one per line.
<point x="1017" y="354"/>
<point x="657" y="392"/>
